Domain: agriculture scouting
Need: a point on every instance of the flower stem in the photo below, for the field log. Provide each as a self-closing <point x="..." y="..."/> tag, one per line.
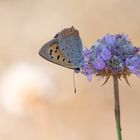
<point x="117" y="107"/>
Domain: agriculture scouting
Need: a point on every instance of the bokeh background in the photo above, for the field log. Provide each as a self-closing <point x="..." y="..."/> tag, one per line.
<point x="36" y="97"/>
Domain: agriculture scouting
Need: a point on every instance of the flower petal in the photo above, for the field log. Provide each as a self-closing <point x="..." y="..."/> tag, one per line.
<point x="106" y="54"/>
<point x="99" y="63"/>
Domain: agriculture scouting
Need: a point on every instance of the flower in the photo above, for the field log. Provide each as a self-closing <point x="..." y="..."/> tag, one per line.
<point x="112" y="55"/>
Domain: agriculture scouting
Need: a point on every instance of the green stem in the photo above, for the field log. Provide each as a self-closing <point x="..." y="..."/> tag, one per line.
<point x="117" y="107"/>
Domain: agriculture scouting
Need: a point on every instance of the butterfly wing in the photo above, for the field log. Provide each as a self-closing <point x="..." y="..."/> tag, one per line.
<point x="71" y="45"/>
<point x="51" y="52"/>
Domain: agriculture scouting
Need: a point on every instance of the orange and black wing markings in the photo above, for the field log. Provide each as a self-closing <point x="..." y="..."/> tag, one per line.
<point x="51" y="52"/>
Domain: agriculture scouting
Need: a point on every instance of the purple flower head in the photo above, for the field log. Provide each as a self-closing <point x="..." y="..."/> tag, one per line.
<point x="112" y="55"/>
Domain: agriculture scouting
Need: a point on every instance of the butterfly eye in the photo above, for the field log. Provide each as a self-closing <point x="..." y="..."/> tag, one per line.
<point x="68" y="61"/>
<point x="78" y="69"/>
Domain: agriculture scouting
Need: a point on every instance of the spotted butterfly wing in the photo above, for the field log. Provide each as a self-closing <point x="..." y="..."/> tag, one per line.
<point x="65" y="49"/>
<point x="52" y="53"/>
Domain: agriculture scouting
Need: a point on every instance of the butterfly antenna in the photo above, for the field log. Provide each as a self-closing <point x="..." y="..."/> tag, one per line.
<point x="74" y="85"/>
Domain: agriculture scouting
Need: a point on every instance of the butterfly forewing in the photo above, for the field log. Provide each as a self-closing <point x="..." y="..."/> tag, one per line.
<point x="52" y="52"/>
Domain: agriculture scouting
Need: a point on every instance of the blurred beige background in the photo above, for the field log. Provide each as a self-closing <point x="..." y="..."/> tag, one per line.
<point x="25" y="25"/>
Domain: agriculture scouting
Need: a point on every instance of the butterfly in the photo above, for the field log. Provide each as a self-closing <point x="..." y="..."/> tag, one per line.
<point x="65" y="49"/>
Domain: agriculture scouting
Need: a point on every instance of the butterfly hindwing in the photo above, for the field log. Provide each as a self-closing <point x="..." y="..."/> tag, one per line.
<point x="71" y="45"/>
<point x="52" y="52"/>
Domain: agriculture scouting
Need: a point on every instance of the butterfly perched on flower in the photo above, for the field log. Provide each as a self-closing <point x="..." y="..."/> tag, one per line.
<point x="65" y="49"/>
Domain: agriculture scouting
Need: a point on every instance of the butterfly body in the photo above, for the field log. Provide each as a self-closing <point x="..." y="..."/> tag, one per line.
<point x="65" y="49"/>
